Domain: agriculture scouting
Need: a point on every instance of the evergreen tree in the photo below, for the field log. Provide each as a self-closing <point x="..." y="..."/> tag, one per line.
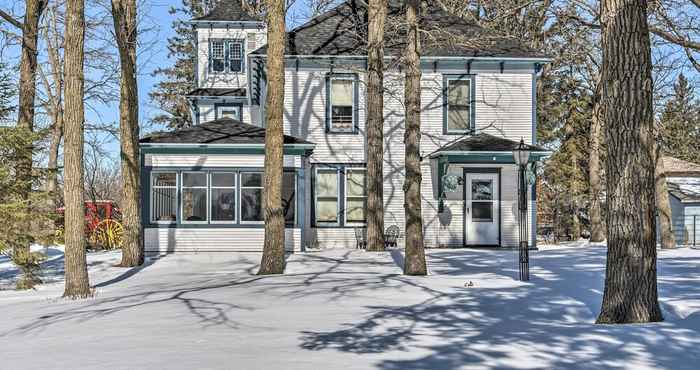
<point x="179" y="78"/>
<point x="7" y="93"/>
<point x="680" y="123"/>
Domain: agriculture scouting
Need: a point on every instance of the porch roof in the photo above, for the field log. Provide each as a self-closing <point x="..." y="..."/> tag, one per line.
<point x="224" y="134"/>
<point x="486" y="146"/>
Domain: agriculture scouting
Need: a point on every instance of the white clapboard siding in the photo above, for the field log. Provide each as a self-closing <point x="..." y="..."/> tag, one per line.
<point x="329" y="238"/>
<point x="225" y="80"/>
<point x="305" y="117"/>
<point x="164" y="240"/>
<point x="446" y="230"/>
<point x="394" y="151"/>
<point x="215" y="160"/>
<point x="504" y="105"/>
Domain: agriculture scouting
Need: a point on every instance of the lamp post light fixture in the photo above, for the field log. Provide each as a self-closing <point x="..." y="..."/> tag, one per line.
<point x="521" y="155"/>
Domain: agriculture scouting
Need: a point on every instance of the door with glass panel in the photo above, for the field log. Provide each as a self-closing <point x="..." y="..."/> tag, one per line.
<point x="482" y="209"/>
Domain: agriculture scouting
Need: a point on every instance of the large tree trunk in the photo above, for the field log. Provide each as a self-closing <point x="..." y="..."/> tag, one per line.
<point x="273" y="252"/>
<point x="25" y="116"/>
<point x="630" y="280"/>
<point x="415" y="250"/>
<point x="594" y="168"/>
<point x="77" y="284"/>
<point x="125" y="28"/>
<point x="375" y="125"/>
<point x="663" y="206"/>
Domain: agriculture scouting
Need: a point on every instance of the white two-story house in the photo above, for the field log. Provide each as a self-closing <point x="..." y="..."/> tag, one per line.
<point x="202" y="185"/>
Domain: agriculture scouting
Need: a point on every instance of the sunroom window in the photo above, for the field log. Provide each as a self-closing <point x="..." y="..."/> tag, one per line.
<point x="251" y="196"/>
<point x="194" y="196"/>
<point x="223" y="196"/>
<point x="458" y="110"/>
<point x="289" y="197"/>
<point x="342" y="104"/>
<point x="163" y="196"/>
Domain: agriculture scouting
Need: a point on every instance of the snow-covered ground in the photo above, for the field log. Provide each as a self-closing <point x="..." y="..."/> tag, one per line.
<point x="346" y="309"/>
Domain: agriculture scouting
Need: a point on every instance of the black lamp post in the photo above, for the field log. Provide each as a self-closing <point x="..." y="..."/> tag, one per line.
<point x="521" y="155"/>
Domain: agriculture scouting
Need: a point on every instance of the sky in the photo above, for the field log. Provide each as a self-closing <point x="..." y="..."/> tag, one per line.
<point x="156" y="24"/>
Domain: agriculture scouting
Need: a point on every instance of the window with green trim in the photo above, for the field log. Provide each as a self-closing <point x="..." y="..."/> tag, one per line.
<point x="458" y="108"/>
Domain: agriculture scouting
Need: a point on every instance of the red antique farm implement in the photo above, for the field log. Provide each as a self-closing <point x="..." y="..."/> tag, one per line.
<point x="103" y="228"/>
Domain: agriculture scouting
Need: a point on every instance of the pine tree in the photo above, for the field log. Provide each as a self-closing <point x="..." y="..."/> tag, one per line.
<point x="680" y="123"/>
<point x="180" y="77"/>
<point x="7" y="93"/>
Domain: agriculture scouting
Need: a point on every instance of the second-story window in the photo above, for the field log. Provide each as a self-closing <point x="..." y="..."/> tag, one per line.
<point x="458" y="107"/>
<point x="226" y="55"/>
<point x="342" y="104"/>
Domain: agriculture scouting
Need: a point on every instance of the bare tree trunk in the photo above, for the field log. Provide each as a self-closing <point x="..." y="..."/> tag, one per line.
<point x="77" y="283"/>
<point x="125" y="28"/>
<point x="25" y="116"/>
<point x="630" y="280"/>
<point x="55" y="101"/>
<point x="594" y="168"/>
<point x="415" y="249"/>
<point x="273" y="252"/>
<point x="663" y="206"/>
<point x="375" y="124"/>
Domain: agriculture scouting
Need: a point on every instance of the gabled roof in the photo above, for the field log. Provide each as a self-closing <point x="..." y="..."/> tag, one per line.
<point x="343" y="32"/>
<point x="217" y="92"/>
<point x="228" y="10"/>
<point x="221" y="131"/>
<point x="680" y="168"/>
<point x="484" y="142"/>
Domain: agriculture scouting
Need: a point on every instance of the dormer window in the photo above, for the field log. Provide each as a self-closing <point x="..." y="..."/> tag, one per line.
<point x="226" y="55"/>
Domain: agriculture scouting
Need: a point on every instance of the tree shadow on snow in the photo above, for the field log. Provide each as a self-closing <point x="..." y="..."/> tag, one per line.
<point x="545" y="324"/>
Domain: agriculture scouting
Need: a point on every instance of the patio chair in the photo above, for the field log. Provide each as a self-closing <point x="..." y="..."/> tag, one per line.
<point x="391" y="236"/>
<point x="361" y="238"/>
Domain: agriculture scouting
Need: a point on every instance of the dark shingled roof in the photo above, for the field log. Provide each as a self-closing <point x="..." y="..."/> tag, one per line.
<point x="240" y="92"/>
<point x="229" y="10"/>
<point x="221" y="131"/>
<point x="343" y="32"/>
<point x="483" y="142"/>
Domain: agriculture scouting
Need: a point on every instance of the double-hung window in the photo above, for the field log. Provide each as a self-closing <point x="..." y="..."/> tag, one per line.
<point x="340" y="196"/>
<point x="458" y="104"/>
<point x="342" y="103"/>
<point x="194" y="197"/>
<point x="251" y="197"/>
<point x="163" y="196"/>
<point x="355" y="196"/>
<point x="327" y="194"/>
<point x="226" y="55"/>
<point x="223" y="197"/>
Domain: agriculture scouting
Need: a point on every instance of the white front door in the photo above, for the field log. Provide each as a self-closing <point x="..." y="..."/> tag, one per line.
<point x="482" y="209"/>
